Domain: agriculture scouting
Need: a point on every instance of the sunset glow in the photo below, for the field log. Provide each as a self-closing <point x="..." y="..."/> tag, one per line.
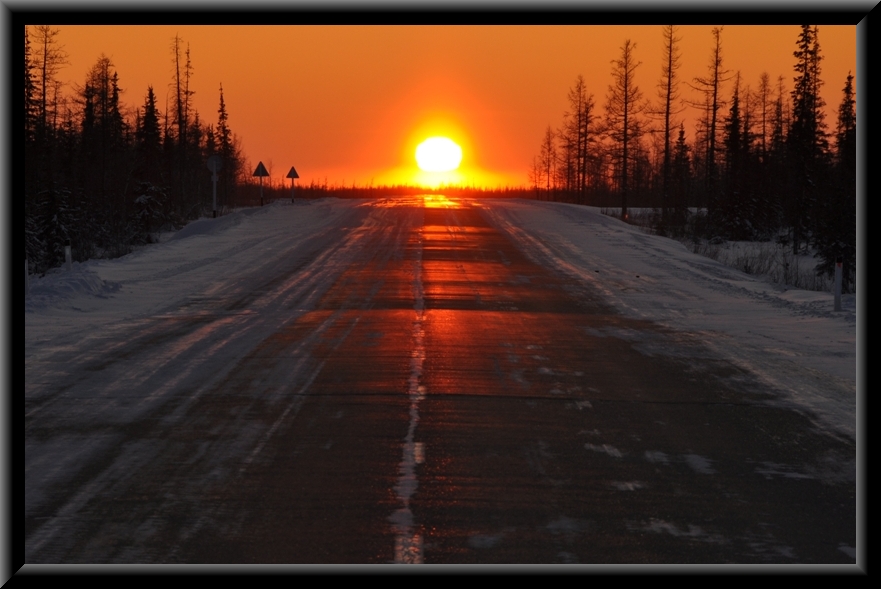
<point x="345" y="105"/>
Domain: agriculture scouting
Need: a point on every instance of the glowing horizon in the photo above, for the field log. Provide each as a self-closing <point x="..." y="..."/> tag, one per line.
<point x="350" y="104"/>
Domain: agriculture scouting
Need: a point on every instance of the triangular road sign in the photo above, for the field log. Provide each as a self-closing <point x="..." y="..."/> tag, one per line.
<point x="292" y="173"/>
<point x="261" y="170"/>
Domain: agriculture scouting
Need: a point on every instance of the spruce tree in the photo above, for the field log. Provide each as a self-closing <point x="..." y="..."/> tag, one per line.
<point x="149" y="141"/>
<point x="846" y="133"/>
<point x="680" y="179"/>
<point x="835" y="227"/>
<point x="806" y="140"/>
<point x="30" y="90"/>
<point x="226" y="150"/>
<point x="730" y="212"/>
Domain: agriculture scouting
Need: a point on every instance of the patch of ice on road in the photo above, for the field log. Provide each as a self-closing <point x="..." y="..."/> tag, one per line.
<point x="694" y="532"/>
<point x="656" y="457"/>
<point x="654" y="343"/>
<point x="484" y="540"/>
<point x="772" y="469"/>
<point x="771" y="549"/>
<point x="833" y="468"/>
<point x="401" y="517"/>
<point x="624" y="333"/>
<point x="517" y="376"/>
<point x="784" y="551"/>
<point x="56" y="461"/>
<point x="605" y="448"/>
<point x="565" y="525"/>
<point x="699" y="464"/>
<point x="696" y="462"/>
<point x="627" y="485"/>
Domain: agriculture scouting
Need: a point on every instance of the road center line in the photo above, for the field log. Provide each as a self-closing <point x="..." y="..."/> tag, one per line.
<point x="408" y="541"/>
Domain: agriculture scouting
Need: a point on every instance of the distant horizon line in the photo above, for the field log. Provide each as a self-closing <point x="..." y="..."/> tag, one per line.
<point x="343" y="185"/>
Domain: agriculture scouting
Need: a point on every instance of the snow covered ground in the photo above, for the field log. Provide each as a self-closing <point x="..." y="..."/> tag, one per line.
<point x="791" y="339"/>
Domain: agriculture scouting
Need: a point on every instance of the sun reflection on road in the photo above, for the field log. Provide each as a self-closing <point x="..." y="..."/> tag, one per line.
<point x="429" y="201"/>
<point x="439" y="201"/>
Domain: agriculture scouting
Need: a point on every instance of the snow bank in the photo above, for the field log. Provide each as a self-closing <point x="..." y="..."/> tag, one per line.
<point x="211" y="226"/>
<point x="59" y="285"/>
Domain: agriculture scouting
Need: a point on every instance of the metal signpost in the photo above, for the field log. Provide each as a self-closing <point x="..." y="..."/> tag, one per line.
<point x="837" y="285"/>
<point x="261" y="172"/>
<point x="292" y="175"/>
<point x="215" y="162"/>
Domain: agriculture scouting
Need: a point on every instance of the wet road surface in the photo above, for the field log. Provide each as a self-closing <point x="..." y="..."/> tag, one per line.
<point x="446" y="400"/>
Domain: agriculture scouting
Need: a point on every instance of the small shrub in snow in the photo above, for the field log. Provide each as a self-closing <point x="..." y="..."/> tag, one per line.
<point x="773" y="258"/>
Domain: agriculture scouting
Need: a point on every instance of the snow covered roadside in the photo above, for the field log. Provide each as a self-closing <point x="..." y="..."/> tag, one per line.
<point x="157" y="278"/>
<point x="791" y="339"/>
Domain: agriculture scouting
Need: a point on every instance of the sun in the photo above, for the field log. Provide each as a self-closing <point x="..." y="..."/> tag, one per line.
<point x="438" y="154"/>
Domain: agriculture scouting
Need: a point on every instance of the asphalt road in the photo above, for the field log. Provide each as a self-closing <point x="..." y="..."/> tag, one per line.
<point x="446" y="400"/>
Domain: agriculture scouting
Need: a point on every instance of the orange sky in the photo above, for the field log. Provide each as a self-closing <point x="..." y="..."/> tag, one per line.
<point x="350" y="103"/>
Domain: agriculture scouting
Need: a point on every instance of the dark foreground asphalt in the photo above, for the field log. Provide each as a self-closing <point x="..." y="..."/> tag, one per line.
<point x="455" y="402"/>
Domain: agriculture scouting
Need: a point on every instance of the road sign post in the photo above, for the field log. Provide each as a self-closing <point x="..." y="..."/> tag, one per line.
<point x="215" y="162"/>
<point x="837" y="286"/>
<point x="261" y="173"/>
<point x="67" y="256"/>
<point x="293" y="176"/>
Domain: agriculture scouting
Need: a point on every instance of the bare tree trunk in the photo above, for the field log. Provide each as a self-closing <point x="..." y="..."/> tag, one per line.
<point x="670" y="83"/>
<point x="711" y="88"/>
<point x="624" y="104"/>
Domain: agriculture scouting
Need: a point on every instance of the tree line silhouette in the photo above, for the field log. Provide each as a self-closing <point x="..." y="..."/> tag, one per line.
<point x="762" y="165"/>
<point x="105" y="178"/>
